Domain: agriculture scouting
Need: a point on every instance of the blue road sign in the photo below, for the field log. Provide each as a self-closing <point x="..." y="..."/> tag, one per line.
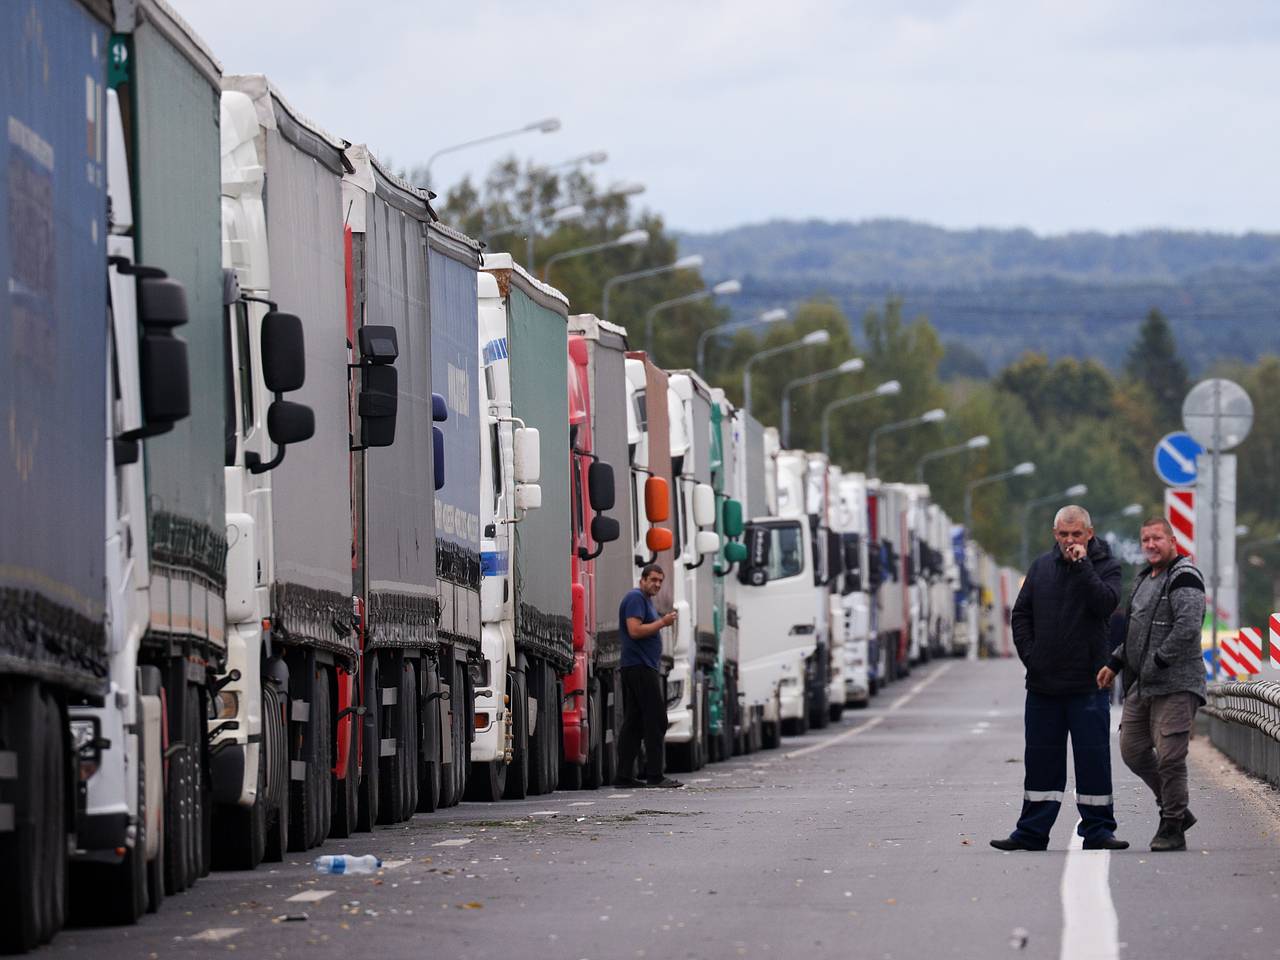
<point x="1175" y="459"/>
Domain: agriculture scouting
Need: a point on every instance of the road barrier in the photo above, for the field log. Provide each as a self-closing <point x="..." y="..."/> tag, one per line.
<point x="1244" y="723"/>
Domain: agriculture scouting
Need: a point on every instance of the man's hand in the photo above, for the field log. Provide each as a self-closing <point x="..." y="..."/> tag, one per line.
<point x="1077" y="552"/>
<point x="667" y="619"/>
<point x="1106" y="676"/>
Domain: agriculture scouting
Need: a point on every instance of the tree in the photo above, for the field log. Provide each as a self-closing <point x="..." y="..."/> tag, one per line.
<point x="1153" y="361"/>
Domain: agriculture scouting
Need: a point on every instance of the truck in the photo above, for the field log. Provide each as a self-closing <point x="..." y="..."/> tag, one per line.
<point x="292" y="646"/>
<point x="145" y="826"/>
<point x="693" y="642"/>
<point x="837" y="631"/>
<point x="416" y="685"/>
<point x="850" y="524"/>
<point x="826" y="564"/>
<point x="598" y="420"/>
<point x="526" y="600"/>
<point x="893" y="616"/>
<point x="54" y="641"/>
<point x="778" y="614"/>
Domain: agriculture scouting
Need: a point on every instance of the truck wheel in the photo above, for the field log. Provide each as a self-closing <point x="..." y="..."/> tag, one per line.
<point x="449" y="771"/>
<point x="431" y="751"/>
<point x="539" y="775"/>
<point x="593" y="772"/>
<point x="769" y="738"/>
<point x="56" y="762"/>
<point x="201" y="808"/>
<point x="303" y="807"/>
<point x="321" y="760"/>
<point x="836" y="712"/>
<point x="555" y="728"/>
<point x="370" y="796"/>
<point x="464" y="714"/>
<point x="611" y="699"/>
<point x="517" y="785"/>
<point x="177" y="801"/>
<point x="275" y="744"/>
<point x="392" y="770"/>
<point x="239" y="833"/>
<point x="346" y="789"/>
<point x="413" y="748"/>
<point x="22" y="883"/>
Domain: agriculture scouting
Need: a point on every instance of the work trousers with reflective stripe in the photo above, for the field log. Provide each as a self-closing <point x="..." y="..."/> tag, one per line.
<point x="1048" y="720"/>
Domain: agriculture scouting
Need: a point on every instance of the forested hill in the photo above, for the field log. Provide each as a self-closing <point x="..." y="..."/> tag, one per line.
<point x="997" y="293"/>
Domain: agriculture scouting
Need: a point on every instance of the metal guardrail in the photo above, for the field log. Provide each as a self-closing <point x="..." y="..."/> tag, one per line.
<point x="1244" y="723"/>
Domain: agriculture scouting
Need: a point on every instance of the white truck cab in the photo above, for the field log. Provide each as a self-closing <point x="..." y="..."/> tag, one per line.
<point x="850" y="523"/>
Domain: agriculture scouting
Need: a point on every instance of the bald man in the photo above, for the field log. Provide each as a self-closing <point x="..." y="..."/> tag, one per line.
<point x="1061" y="629"/>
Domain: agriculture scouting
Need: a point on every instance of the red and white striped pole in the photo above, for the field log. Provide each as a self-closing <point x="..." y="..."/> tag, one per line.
<point x="1273" y="640"/>
<point x="1180" y="511"/>
<point x="1249" y="649"/>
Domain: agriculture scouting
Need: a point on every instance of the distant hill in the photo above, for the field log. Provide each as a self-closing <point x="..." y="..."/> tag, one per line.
<point x="997" y="293"/>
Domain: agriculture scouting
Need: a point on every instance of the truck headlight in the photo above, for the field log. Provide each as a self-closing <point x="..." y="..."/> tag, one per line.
<point x="226" y="705"/>
<point x="675" y="690"/>
<point x="88" y="745"/>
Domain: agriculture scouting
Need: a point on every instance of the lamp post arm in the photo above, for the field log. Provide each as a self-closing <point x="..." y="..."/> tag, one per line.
<point x="625" y="277"/>
<point x="937" y="455"/>
<point x="664" y="305"/>
<point x="831" y="408"/>
<point x="470" y="143"/>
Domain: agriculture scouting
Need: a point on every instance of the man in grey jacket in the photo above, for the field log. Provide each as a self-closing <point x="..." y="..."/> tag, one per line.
<point x="1164" y="678"/>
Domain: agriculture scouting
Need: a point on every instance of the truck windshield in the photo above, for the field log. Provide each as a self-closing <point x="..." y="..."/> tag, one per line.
<point x="786" y="546"/>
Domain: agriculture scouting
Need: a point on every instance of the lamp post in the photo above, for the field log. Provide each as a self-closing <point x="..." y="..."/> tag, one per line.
<point x="549" y="125"/>
<point x="973" y="443"/>
<point x="724" y="288"/>
<point x="691" y="262"/>
<point x="560" y="215"/>
<point x="852" y="365"/>
<point x="1078" y="490"/>
<point x="594" y="157"/>
<point x="1024" y="469"/>
<point x="812" y="339"/>
<point x="1132" y="510"/>
<point x="936" y="415"/>
<point x="632" y="238"/>
<point x="721" y="329"/>
<point x="890" y="388"/>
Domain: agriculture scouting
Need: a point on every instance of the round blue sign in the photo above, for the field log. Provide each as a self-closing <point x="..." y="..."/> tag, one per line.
<point x="1175" y="459"/>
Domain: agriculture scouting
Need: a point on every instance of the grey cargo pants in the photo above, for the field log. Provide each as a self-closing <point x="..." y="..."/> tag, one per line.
<point x="1154" y="734"/>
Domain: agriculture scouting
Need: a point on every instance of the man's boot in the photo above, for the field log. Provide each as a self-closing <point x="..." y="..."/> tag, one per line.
<point x="1170" y="836"/>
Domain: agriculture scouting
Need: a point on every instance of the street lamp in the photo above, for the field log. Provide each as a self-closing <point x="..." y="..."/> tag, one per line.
<point x="1132" y="510"/>
<point x="632" y="238"/>
<point x="692" y="262"/>
<point x="733" y="326"/>
<point x="1024" y="469"/>
<point x="812" y="339"/>
<point x="929" y="416"/>
<point x="852" y="365"/>
<point x="549" y="125"/>
<point x="1071" y="493"/>
<point x="724" y="288"/>
<point x="595" y="157"/>
<point x="890" y="388"/>
<point x="561" y="215"/>
<point x="973" y="443"/>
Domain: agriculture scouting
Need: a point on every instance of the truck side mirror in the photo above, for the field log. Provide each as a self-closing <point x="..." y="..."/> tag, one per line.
<point x="162" y="357"/>
<point x="731" y="515"/>
<point x="379" y="397"/>
<point x="289" y="422"/>
<point x="605" y="529"/>
<point x="658" y="539"/>
<point x="706" y="541"/>
<point x="600" y="487"/>
<point x="527" y="455"/>
<point x="735" y="552"/>
<point x="378" y="345"/>
<point x="657" y="500"/>
<point x="162" y="300"/>
<point x="704" y="505"/>
<point x="437" y="455"/>
<point x="439" y="409"/>
<point x="528" y="496"/>
<point x="284" y="362"/>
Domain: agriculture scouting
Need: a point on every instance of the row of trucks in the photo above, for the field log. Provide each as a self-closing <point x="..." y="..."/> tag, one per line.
<point x="314" y="515"/>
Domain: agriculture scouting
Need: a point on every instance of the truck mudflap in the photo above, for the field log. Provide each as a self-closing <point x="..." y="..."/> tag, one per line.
<point x="46" y="640"/>
<point x="402" y="621"/>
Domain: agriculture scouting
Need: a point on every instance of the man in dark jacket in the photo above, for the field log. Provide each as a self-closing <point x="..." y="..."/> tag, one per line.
<point x="1164" y="677"/>
<point x="1060" y="627"/>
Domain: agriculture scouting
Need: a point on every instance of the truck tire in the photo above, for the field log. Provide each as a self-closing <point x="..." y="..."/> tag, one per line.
<point x="465" y="715"/>
<point x="304" y="807"/>
<point x="611" y="699"/>
<point x="539" y="746"/>
<point x="431" y="751"/>
<point x="517" y="785"/>
<point x="409" y="697"/>
<point x="57" y="773"/>
<point x="593" y="772"/>
<point x="200" y="835"/>
<point x="320" y="763"/>
<point x="395" y="768"/>
<point x="769" y="737"/>
<point x="240" y="833"/>
<point x="370" y="795"/>
<point x="346" y="789"/>
<point x="449" y="771"/>
<point x="275" y="744"/>
<point x="177" y="800"/>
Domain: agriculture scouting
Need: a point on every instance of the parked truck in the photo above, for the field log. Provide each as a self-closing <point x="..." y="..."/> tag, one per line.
<point x="850" y="523"/>
<point x="526" y="601"/>
<point x="592" y="718"/>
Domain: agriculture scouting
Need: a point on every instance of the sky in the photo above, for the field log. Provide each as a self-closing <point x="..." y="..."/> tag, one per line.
<point x="1063" y="115"/>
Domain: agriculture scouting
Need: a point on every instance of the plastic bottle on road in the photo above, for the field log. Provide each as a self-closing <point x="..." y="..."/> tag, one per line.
<point x="341" y="863"/>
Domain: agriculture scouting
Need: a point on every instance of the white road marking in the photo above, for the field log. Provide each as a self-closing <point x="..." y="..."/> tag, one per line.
<point x="583" y="803"/>
<point x="1090" y="928"/>
<point x="618" y="796"/>
<point x="214" y="934"/>
<point x="540" y="813"/>
<point x="874" y="721"/>
<point x="309" y="896"/>
<point x="455" y="842"/>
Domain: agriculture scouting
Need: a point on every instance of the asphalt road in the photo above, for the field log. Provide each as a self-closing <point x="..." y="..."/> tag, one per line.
<point x="868" y="839"/>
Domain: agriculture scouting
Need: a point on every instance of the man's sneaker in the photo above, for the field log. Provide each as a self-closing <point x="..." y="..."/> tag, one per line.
<point x="1170" y="836"/>
<point x="1008" y="844"/>
<point x="665" y="782"/>
<point x="1106" y="843"/>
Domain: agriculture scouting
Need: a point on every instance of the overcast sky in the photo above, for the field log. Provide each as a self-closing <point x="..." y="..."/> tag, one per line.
<point x="1065" y="115"/>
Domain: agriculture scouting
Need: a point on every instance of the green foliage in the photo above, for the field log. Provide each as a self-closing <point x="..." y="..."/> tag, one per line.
<point x="1153" y="361"/>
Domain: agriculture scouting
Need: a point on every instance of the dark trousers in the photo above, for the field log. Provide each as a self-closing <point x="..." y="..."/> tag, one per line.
<point x="1048" y="720"/>
<point x="644" y="715"/>
<point x="1155" y="733"/>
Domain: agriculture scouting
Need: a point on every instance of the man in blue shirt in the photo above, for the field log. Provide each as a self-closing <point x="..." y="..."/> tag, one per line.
<point x="643" y="704"/>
